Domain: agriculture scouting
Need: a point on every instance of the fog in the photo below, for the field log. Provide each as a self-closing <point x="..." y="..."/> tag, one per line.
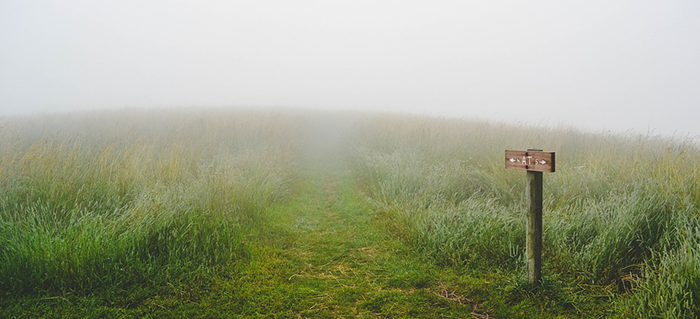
<point x="597" y="65"/>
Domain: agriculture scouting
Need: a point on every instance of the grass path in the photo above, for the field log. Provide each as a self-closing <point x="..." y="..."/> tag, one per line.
<point x="326" y="257"/>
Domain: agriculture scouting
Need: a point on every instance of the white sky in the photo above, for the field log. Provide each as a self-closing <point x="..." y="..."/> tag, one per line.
<point x="616" y="65"/>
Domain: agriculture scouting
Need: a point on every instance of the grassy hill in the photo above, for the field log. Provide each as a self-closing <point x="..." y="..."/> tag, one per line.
<point x="242" y="213"/>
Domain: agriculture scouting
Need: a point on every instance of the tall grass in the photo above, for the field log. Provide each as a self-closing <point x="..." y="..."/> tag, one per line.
<point x="621" y="210"/>
<point x="87" y="204"/>
<point x="113" y="200"/>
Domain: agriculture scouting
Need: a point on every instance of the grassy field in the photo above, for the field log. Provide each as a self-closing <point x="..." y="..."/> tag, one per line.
<point x="222" y="213"/>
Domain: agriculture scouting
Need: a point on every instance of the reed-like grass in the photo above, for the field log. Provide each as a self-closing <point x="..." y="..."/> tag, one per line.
<point x="82" y="210"/>
<point x="621" y="210"/>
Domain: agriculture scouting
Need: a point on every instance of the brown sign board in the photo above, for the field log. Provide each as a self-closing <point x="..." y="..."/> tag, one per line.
<point x="535" y="161"/>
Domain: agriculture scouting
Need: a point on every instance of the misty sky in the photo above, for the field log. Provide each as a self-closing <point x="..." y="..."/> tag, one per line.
<point x="615" y="65"/>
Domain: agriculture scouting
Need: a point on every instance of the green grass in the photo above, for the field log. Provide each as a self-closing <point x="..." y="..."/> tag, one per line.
<point x="252" y="214"/>
<point x="325" y="254"/>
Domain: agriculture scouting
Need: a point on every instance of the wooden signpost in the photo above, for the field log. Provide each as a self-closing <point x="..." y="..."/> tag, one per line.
<point x="534" y="162"/>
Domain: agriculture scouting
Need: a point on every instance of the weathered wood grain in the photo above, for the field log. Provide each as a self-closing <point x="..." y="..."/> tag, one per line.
<point x="533" y="241"/>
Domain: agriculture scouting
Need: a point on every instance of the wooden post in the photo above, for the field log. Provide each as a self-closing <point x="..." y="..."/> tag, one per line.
<point x="533" y="242"/>
<point x="534" y="162"/>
